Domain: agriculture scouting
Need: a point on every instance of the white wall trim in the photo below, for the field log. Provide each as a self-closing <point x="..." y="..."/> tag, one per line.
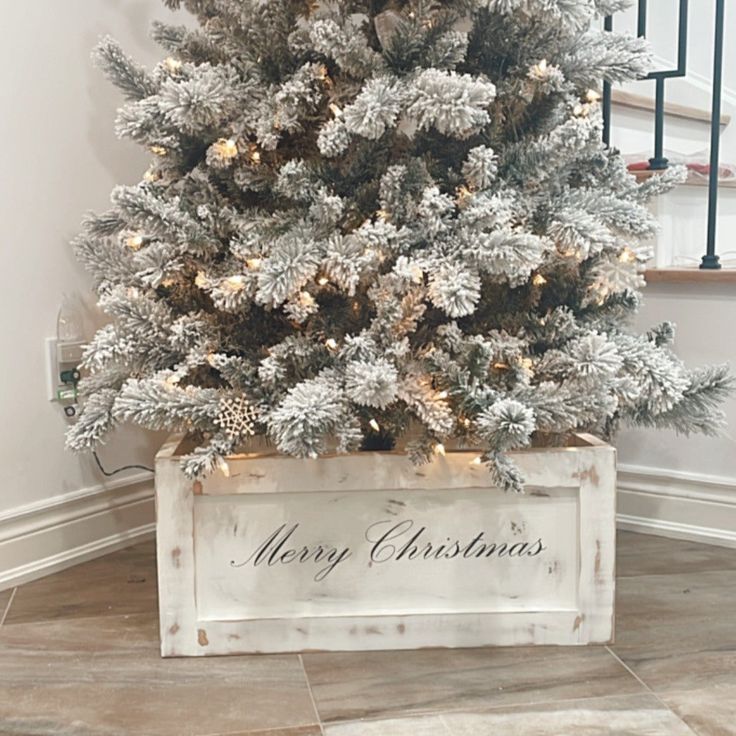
<point x="47" y="536"/>
<point x="51" y="535"/>
<point x="671" y="503"/>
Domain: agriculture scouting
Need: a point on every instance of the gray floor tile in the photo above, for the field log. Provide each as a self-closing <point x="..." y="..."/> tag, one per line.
<point x="710" y="711"/>
<point x="119" y="583"/>
<point x="391" y="684"/>
<point x="646" y="554"/>
<point x="678" y="631"/>
<point x="637" y="715"/>
<point x="416" y="726"/>
<point x="105" y="675"/>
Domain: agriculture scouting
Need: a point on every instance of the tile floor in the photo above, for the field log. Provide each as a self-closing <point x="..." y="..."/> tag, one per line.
<point x="79" y="657"/>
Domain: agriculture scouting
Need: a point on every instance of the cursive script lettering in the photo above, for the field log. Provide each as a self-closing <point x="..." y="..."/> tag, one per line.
<point x="402" y="540"/>
<point x="389" y="541"/>
<point x="274" y="551"/>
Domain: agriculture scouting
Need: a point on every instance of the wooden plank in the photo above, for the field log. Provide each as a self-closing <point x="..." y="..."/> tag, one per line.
<point x="693" y="179"/>
<point x="640" y="102"/>
<point x="363" y="552"/>
<point x="692" y="275"/>
<point x="175" y="554"/>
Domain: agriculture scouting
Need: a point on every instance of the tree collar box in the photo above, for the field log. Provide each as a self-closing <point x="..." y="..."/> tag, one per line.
<point x="367" y="551"/>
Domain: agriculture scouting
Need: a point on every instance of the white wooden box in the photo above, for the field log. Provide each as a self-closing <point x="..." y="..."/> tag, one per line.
<point x="367" y="551"/>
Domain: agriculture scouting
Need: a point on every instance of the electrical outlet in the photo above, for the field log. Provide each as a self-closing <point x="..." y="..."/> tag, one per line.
<point x="61" y="357"/>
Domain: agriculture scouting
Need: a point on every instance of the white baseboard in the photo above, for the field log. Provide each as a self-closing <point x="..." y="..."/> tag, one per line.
<point x="42" y="538"/>
<point x="680" y="505"/>
<point x="49" y="536"/>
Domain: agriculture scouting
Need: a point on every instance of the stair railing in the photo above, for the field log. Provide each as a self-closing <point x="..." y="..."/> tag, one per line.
<point x="658" y="162"/>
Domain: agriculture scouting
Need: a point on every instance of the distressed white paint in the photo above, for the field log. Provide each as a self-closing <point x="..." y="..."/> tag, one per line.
<point x="394" y="556"/>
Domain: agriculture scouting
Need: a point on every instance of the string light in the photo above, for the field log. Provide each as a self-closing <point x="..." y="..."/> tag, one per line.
<point x="335" y="110"/>
<point x="592" y="95"/>
<point x="627" y="256"/>
<point x="324" y="75"/>
<point x="172" y="64"/>
<point x="501" y="366"/>
<point x="211" y="359"/>
<point x="226" y="148"/>
<point x="439" y="449"/>
<point x="224" y="467"/>
<point x="477" y="460"/>
<point x="172" y="381"/>
<point x="201" y="280"/>
<point x="234" y="283"/>
<point x="463" y="193"/>
<point x="539" y="280"/>
<point x="306" y="299"/>
<point x="254" y="154"/>
<point x="253" y="263"/>
<point x="151" y="175"/>
<point x="375" y="425"/>
<point x="166" y="283"/>
<point x="442" y="395"/>
<point x="331" y="343"/>
<point x="323" y="281"/>
<point x="382" y="215"/>
<point x="134" y="242"/>
<point x="466" y="422"/>
<point x="541" y="70"/>
<point x="159" y="151"/>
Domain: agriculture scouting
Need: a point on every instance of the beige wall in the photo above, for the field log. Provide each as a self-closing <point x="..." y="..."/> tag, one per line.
<point x="705" y="316"/>
<point x="60" y="158"/>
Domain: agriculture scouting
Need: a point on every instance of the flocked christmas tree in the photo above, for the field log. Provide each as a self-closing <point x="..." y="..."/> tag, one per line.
<point x="365" y="216"/>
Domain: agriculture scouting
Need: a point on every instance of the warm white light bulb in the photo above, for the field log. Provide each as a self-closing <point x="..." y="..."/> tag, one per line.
<point x="439" y="449"/>
<point x="375" y="425"/>
<point x="172" y="64"/>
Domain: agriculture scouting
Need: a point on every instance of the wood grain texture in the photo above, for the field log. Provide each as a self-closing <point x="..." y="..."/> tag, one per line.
<point x="391" y="684"/>
<point x="693" y="179"/>
<point x="686" y="112"/>
<point x="68" y="669"/>
<point x="632" y="715"/>
<point x="367" y="551"/>
<point x="104" y="676"/>
<point x="692" y="275"/>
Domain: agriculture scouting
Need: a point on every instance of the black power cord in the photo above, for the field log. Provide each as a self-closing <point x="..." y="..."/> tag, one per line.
<point x="117" y="470"/>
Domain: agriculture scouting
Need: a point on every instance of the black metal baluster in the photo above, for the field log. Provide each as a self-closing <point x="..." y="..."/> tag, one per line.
<point x="607" y="26"/>
<point x="710" y="259"/>
<point x="659" y="162"/>
<point x="641" y="21"/>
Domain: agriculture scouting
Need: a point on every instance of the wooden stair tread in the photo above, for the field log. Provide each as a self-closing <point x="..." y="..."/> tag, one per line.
<point x="693" y="179"/>
<point x="675" y="110"/>
<point x="691" y="274"/>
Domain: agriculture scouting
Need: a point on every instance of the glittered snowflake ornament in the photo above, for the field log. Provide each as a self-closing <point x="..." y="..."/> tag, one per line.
<point x="237" y="417"/>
